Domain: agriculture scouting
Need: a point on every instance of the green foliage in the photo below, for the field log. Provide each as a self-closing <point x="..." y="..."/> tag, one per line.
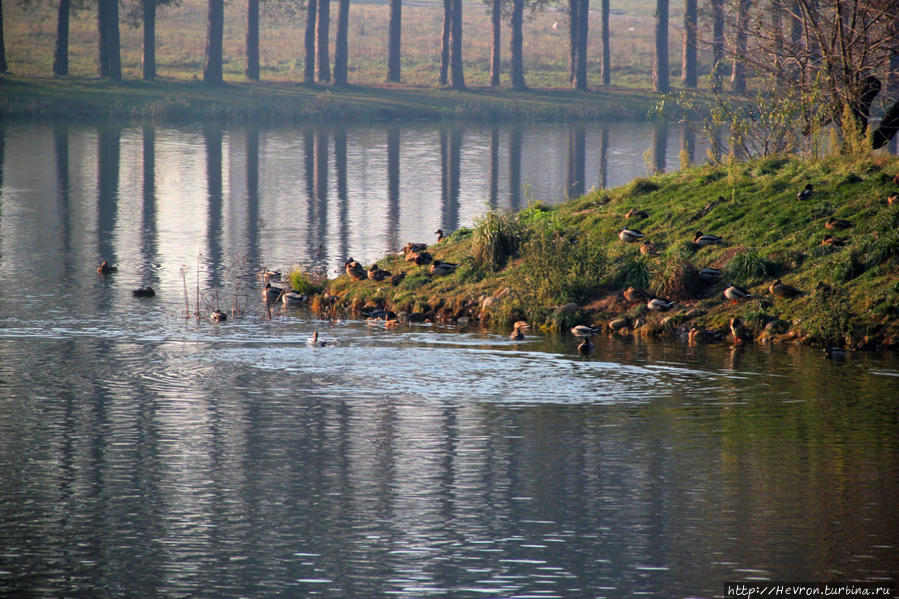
<point x="560" y="268"/>
<point x="855" y="142"/>
<point x="827" y="317"/>
<point x="303" y="282"/>
<point x="497" y="236"/>
<point x="675" y="278"/>
<point x="639" y="187"/>
<point x="630" y="270"/>
<point x="749" y="268"/>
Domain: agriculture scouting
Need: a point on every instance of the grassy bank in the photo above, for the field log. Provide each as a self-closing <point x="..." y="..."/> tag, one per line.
<point x="192" y="100"/>
<point x="556" y="267"/>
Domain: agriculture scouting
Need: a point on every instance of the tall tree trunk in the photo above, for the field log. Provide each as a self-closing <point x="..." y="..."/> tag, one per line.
<point x="252" y="71"/>
<point x="309" y="42"/>
<point x="323" y="68"/>
<point x="341" y="48"/>
<point x="580" y="70"/>
<point x="3" y="66"/>
<point x="893" y="77"/>
<point x="458" y="76"/>
<point x="445" y="40"/>
<point x="660" y="81"/>
<point x="212" y="73"/>
<point x="717" y="43"/>
<point x="108" y="29"/>
<point x="605" y="70"/>
<point x="149" y="62"/>
<point x="738" y="73"/>
<point x="688" y="60"/>
<point x="573" y="9"/>
<point x="394" y="35"/>
<point x="496" y="15"/>
<point x="516" y="67"/>
<point x="61" y="54"/>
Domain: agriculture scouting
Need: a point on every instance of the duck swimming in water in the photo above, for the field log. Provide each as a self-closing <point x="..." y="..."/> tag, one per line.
<point x="271" y="294"/>
<point x="585" y="346"/>
<point x="583" y="330"/>
<point x="143" y="292"/>
<point x="218" y="316"/>
<point x="315" y="341"/>
<point x="518" y="330"/>
<point x="105" y="268"/>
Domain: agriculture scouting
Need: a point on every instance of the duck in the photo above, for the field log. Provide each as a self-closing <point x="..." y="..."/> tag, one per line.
<point x="583" y="330"/>
<point x="354" y="269"/>
<point x="271" y="294"/>
<point x="648" y="248"/>
<point x="585" y="346"/>
<point x="630" y="235"/>
<point x="105" y="268"/>
<point x="439" y="268"/>
<point x="658" y="304"/>
<point x="420" y="258"/>
<point x="294" y="298"/>
<point x="780" y="289"/>
<point x="709" y="274"/>
<point x="701" y="239"/>
<point x="737" y="329"/>
<point x="397" y="278"/>
<point x="143" y="292"/>
<point x="834" y="352"/>
<point x="805" y="193"/>
<point x="518" y="330"/>
<point x="835" y="224"/>
<point x="314" y="341"/>
<point x="735" y="294"/>
<point x="375" y="273"/>
<point x="636" y="213"/>
<point x="439" y="234"/>
<point x="634" y="295"/>
<point x="413" y="248"/>
<point x="218" y="316"/>
<point x="833" y="241"/>
<point x="893" y="200"/>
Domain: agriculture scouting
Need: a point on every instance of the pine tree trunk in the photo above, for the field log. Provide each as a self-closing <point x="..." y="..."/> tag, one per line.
<point x="252" y="71"/>
<point x="660" y="81"/>
<point x="341" y="48"/>
<point x="496" y="15"/>
<point x="573" y="8"/>
<point x="394" y="36"/>
<point x="516" y="67"/>
<point x="605" y="71"/>
<point x="108" y="30"/>
<point x="212" y="73"/>
<point x="149" y="61"/>
<point x="61" y="54"/>
<point x="580" y="71"/>
<point x="445" y="40"/>
<point x="102" y="38"/>
<point x="309" y="42"/>
<point x="717" y="43"/>
<point x="323" y="68"/>
<point x="458" y="76"/>
<point x="688" y="60"/>
<point x="738" y="72"/>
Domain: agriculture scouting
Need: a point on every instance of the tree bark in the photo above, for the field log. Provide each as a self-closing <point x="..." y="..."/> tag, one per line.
<point x="341" y="48"/>
<point x="496" y="15"/>
<point x="660" y="82"/>
<point x="688" y="60"/>
<point x="212" y="73"/>
<point x="573" y="9"/>
<point x="717" y="43"/>
<point x="252" y="71"/>
<point x="309" y="42"/>
<point x="323" y="68"/>
<point x="458" y="76"/>
<point x="61" y="54"/>
<point x="738" y="73"/>
<point x="580" y="69"/>
<point x="605" y="71"/>
<point x="3" y="66"/>
<point x="516" y="66"/>
<point x="149" y="49"/>
<point x="445" y="40"/>
<point x="109" y="48"/>
<point x="394" y="36"/>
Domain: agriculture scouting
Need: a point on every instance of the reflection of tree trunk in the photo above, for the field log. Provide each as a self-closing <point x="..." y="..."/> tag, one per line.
<point x="576" y="160"/>
<point x="494" y="165"/>
<point x="516" y="66"/>
<point x="717" y="43"/>
<point x="738" y="74"/>
<point x="445" y="40"/>
<point x="394" y="35"/>
<point x="253" y="250"/>
<point x="212" y="134"/>
<point x="452" y="168"/>
<point x="148" y="230"/>
<point x="444" y="171"/>
<point x="61" y="54"/>
<point x="323" y="68"/>
<point x="252" y="71"/>
<point x="107" y="189"/>
<point x="320" y="227"/>
<point x="606" y="68"/>
<point x="660" y="81"/>
<point x="688" y="60"/>
<point x="458" y="77"/>
<point x="340" y="163"/>
<point x="393" y="184"/>
<point x="309" y="42"/>
<point x="659" y="145"/>
<point x="496" y="14"/>
<point x="515" y="166"/>
<point x="309" y="172"/>
<point x="688" y="145"/>
<point x="61" y="146"/>
<point x="212" y="73"/>
<point x="603" y="155"/>
<point x="341" y="44"/>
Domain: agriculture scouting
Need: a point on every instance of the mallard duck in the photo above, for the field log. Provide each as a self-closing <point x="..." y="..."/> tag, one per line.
<point x="585" y="346"/>
<point x="376" y="274"/>
<point x="518" y="330"/>
<point x="630" y="235"/>
<point x="834" y="352"/>
<point x="583" y="330"/>
<point x="835" y="224"/>
<point x="634" y="295"/>
<point x="314" y="341"/>
<point x="709" y="274"/>
<point x="439" y="268"/>
<point x="780" y="289"/>
<point x="439" y="234"/>
<point x="702" y="239"/>
<point x="420" y="258"/>
<point x="218" y="316"/>
<point x="737" y="329"/>
<point x="648" y="248"/>
<point x="354" y="270"/>
<point x="397" y="278"/>
<point x="735" y="294"/>
<point x="294" y="298"/>
<point x="412" y="248"/>
<point x="271" y="294"/>
<point x="657" y="304"/>
<point x="636" y="213"/>
<point x="833" y="241"/>
<point x="143" y="292"/>
<point x="105" y="268"/>
<point x="805" y="193"/>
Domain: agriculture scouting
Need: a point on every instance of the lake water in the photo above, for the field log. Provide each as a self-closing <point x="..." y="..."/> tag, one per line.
<point x="143" y="453"/>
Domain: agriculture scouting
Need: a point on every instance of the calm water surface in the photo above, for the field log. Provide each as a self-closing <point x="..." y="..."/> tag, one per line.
<point x="145" y="454"/>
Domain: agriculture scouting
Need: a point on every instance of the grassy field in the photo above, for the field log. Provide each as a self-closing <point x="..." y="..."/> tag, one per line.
<point x="540" y="260"/>
<point x="30" y="37"/>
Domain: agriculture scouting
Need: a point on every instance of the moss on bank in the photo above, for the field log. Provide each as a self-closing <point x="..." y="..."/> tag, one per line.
<point x="569" y="267"/>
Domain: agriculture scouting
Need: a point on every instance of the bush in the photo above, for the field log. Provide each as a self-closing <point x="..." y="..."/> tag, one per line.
<point x="675" y="278"/>
<point x="749" y="267"/>
<point x="304" y="282"/>
<point x="560" y="268"/>
<point x="496" y="238"/>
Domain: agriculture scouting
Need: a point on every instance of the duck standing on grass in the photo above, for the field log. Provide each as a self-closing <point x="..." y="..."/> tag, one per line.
<point x="702" y="239"/>
<point x="630" y="235"/>
<point x="658" y="304"/>
<point x="439" y="268"/>
<point x="736" y="294"/>
<point x="354" y="269"/>
<point x="805" y="194"/>
<point x="780" y="289"/>
<point x="376" y="274"/>
<point x="439" y="234"/>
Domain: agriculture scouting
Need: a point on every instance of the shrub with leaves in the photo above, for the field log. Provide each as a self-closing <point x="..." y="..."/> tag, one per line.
<point x="497" y="236"/>
<point x="561" y="267"/>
